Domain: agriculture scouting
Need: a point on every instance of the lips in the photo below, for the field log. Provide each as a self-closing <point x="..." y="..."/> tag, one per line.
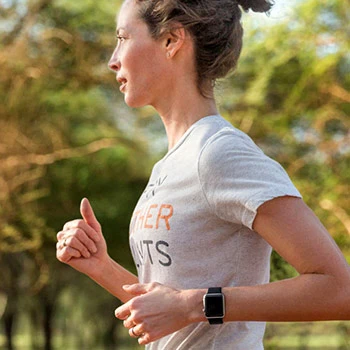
<point x="122" y="81"/>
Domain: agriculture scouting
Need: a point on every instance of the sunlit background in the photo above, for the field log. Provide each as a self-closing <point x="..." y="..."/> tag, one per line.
<point x="65" y="133"/>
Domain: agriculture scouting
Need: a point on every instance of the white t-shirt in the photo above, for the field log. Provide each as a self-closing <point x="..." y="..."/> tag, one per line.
<point x="192" y="226"/>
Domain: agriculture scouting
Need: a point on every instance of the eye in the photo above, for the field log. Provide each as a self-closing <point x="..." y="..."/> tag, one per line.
<point x="120" y="38"/>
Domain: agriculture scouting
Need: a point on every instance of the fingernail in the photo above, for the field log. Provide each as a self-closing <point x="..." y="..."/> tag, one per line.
<point x="126" y="286"/>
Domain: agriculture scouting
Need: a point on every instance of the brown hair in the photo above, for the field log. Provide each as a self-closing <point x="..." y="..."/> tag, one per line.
<point x="213" y="24"/>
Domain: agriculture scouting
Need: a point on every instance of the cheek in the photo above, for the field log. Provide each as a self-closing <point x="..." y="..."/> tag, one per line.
<point x="145" y="60"/>
<point x="144" y="66"/>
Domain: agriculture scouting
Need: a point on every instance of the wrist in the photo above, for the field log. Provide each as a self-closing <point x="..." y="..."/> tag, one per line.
<point x="194" y="305"/>
<point x="214" y="305"/>
<point x="101" y="269"/>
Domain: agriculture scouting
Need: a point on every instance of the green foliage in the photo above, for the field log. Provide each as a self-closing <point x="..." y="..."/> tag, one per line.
<point x="290" y="93"/>
<point x="64" y="135"/>
<point x="60" y="141"/>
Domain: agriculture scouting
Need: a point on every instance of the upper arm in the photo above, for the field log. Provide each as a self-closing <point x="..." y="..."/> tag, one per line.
<point x="237" y="177"/>
<point x="295" y="232"/>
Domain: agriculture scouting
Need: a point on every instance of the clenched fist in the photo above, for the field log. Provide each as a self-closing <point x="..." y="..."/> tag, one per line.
<point x="81" y="243"/>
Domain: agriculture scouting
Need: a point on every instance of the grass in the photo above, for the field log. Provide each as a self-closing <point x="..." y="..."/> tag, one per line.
<point x="308" y="335"/>
<point x="279" y="336"/>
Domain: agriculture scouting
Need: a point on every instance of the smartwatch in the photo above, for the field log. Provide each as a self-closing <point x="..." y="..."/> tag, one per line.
<point x="214" y="305"/>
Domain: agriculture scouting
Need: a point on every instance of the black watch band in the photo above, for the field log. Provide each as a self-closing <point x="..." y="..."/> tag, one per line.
<point x="219" y="320"/>
<point x="214" y="305"/>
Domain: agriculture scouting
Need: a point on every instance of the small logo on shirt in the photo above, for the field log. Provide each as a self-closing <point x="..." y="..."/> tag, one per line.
<point x="152" y="188"/>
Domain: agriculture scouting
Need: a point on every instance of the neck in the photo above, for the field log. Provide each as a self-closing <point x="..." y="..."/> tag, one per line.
<point x="180" y="111"/>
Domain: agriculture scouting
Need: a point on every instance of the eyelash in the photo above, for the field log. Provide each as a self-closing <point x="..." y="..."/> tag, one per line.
<point x="120" y="38"/>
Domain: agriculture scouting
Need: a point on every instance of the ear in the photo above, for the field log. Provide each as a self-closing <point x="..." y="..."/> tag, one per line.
<point x="174" y="40"/>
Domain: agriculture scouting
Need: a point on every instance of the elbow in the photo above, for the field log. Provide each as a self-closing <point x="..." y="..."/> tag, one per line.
<point x="341" y="297"/>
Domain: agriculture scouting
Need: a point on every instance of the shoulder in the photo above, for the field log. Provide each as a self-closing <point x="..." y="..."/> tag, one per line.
<point x="227" y="145"/>
<point x="214" y="134"/>
<point x="236" y="176"/>
<point x="230" y="158"/>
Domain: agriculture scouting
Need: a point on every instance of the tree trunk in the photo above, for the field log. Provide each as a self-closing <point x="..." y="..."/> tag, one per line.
<point x="110" y="336"/>
<point x="8" y="320"/>
<point x="48" y="312"/>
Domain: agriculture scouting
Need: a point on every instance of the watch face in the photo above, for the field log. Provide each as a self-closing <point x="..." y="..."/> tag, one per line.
<point x="214" y="305"/>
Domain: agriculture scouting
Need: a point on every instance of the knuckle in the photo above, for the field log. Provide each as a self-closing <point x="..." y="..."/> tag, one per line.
<point x="154" y="285"/>
<point x="137" y="318"/>
<point x="136" y="303"/>
<point x="67" y="225"/>
<point x="133" y="303"/>
<point x="72" y="224"/>
<point x="76" y="253"/>
<point x="80" y="223"/>
<point x="60" y="257"/>
<point x="77" y="232"/>
<point x="147" y="338"/>
<point x="92" y="248"/>
<point x="143" y="327"/>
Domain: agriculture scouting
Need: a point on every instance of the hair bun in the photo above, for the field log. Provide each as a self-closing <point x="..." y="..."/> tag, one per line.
<point x="255" y="5"/>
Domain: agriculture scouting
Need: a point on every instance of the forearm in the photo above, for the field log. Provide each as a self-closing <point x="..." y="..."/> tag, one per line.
<point x="157" y="310"/>
<point x="308" y="297"/>
<point x="112" y="276"/>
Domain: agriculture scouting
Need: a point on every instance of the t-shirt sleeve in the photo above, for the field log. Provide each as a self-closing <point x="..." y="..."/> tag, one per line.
<point x="237" y="177"/>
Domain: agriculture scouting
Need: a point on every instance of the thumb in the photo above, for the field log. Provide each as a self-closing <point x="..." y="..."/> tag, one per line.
<point x="88" y="215"/>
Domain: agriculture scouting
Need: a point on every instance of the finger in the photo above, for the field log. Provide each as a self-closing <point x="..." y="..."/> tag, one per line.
<point x="88" y="215"/>
<point x="144" y="339"/>
<point x="139" y="288"/>
<point x="81" y="224"/>
<point x="72" y="252"/>
<point x="60" y="235"/>
<point x="77" y="239"/>
<point x="136" y="331"/>
<point x="60" y="244"/>
<point x="67" y="253"/>
<point x="129" y="322"/>
<point x="83" y="238"/>
<point x="132" y="333"/>
<point x="122" y="312"/>
<point x="73" y="242"/>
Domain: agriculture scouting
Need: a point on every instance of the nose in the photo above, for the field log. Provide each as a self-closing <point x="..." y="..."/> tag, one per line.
<point x="114" y="62"/>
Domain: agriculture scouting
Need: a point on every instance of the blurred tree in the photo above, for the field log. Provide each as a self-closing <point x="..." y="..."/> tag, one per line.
<point x="59" y="141"/>
<point x="64" y="135"/>
<point x="291" y="94"/>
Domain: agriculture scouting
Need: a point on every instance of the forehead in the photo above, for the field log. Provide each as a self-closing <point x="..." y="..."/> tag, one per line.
<point x="128" y="14"/>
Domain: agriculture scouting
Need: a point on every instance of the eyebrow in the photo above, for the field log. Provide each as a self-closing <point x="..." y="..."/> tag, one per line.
<point x="119" y="29"/>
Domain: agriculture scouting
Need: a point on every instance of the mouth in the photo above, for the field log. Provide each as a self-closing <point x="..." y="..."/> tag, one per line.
<point x="122" y="81"/>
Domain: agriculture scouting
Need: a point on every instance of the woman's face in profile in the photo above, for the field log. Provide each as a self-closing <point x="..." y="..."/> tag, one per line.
<point x="138" y="60"/>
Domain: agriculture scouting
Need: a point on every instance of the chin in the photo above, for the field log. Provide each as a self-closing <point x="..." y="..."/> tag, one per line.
<point x="135" y="102"/>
